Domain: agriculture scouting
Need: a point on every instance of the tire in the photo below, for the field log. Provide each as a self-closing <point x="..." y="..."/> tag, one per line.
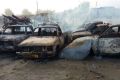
<point x="57" y="52"/>
<point x="91" y="54"/>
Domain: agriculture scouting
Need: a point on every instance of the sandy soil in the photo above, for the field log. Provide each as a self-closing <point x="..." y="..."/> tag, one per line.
<point x="92" y="69"/>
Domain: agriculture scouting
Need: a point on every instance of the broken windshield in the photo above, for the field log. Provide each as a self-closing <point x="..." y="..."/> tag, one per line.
<point x="47" y="31"/>
<point x="17" y="30"/>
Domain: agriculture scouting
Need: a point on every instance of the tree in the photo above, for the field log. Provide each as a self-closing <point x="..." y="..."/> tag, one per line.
<point x="26" y="12"/>
<point x="8" y="12"/>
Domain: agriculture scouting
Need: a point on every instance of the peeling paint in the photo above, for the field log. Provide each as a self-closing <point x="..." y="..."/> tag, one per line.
<point x="109" y="45"/>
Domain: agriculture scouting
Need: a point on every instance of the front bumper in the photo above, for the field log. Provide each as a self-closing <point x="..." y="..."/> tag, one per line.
<point x="36" y="55"/>
<point x="35" y="52"/>
<point x="7" y="48"/>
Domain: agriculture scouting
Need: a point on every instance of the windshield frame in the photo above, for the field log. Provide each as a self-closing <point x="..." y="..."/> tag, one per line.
<point x="13" y="27"/>
<point x="37" y="33"/>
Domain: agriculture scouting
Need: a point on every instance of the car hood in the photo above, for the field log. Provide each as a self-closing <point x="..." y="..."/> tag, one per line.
<point x="81" y="34"/>
<point x="12" y="37"/>
<point x="39" y="41"/>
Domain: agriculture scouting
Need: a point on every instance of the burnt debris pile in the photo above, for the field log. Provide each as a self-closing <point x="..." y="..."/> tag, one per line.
<point x="14" y="20"/>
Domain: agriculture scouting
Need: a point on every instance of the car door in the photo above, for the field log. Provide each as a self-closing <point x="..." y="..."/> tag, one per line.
<point x="109" y="41"/>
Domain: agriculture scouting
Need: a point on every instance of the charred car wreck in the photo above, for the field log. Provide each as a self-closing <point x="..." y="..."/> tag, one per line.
<point x="101" y="44"/>
<point x="15" y="30"/>
<point x="47" y="41"/>
<point x="14" y="34"/>
<point x="91" y="29"/>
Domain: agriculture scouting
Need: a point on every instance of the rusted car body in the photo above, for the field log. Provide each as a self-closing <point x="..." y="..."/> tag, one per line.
<point x="12" y="35"/>
<point x="105" y="43"/>
<point x="48" y="40"/>
<point x="108" y="42"/>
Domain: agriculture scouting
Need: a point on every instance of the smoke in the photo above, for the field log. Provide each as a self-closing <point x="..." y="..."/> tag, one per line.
<point x="106" y="14"/>
<point x="70" y="20"/>
<point x="74" y="19"/>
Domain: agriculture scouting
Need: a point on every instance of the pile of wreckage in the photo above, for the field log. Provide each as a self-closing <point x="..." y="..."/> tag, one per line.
<point x="47" y="40"/>
<point x="18" y="36"/>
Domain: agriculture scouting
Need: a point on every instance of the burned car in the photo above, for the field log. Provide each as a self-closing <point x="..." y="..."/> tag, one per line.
<point x="105" y="43"/>
<point x="14" y="34"/>
<point x="90" y="29"/>
<point x="47" y="40"/>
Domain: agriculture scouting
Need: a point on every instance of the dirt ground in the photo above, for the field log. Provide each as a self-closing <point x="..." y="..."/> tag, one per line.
<point x="92" y="69"/>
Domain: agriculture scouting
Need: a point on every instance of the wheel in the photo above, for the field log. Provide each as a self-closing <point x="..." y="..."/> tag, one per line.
<point x="57" y="52"/>
<point x="91" y="54"/>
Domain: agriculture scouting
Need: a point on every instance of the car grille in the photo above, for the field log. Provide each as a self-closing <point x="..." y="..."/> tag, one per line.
<point x="36" y="49"/>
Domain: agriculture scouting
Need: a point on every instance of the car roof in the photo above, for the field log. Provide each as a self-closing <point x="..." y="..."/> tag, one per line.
<point x="102" y="25"/>
<point x="10" y="26"/>
<point x="19" y="25"/>
<point x="118" y="25"/>
<point x="48" y="25"/>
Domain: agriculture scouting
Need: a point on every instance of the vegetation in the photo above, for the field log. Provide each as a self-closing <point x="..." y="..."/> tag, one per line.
<point x="8" y="12"/>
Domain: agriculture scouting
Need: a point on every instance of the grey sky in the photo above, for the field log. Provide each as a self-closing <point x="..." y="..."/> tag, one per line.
<point x="57" y="5"/>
